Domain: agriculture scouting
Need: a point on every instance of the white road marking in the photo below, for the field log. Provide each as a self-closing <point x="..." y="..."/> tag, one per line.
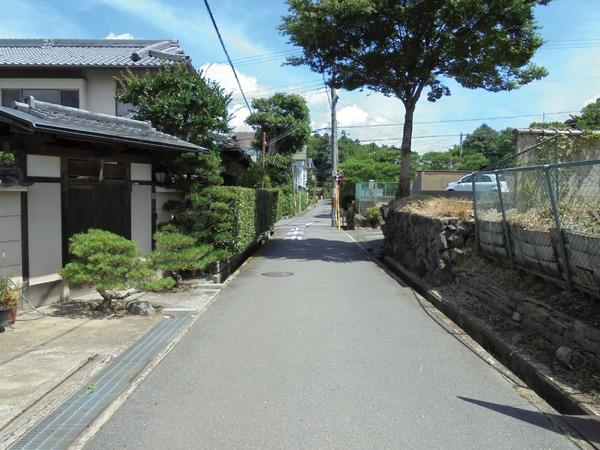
<point x="296" y="232"/>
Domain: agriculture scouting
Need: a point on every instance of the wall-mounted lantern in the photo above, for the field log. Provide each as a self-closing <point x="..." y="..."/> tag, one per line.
<point x="160" y="175"/>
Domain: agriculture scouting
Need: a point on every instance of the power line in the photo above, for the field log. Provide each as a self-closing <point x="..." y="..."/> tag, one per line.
<point x="430" y="122"/>
<point x="265" y="60"/>
<point x="227" y="54"/>
<point x="271" y="55"/>
<point x="414" y="137"/>
<point x="312" y="83"/>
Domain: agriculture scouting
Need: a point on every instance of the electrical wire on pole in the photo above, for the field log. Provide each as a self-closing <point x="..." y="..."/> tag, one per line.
<point x="212" y="18"/>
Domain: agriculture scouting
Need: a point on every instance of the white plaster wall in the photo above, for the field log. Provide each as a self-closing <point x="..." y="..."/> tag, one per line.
<point x="10" y="234"/>
<point x="102" y="87"/>
<point x="141" y="172"/>
<point x="48" y="83"/>
<point x="141" y="216"/>
<point x="45" y="229"/>
<point x="43" y="166"/>
<point x="300" y="173"/>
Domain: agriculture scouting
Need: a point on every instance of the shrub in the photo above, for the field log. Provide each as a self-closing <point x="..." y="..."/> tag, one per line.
<point x="106" y="261"/>
<point x="7" y="159"/>
<point x="231" y="218"/>
<point x="373" y="216"/>
<point x="176" y="253"/>
<point x="9" y="293"/>
<point x="160" y="285"/>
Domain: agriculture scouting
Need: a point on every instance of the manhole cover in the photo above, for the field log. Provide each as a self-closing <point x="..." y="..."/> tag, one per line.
<point x="277" y="274"/>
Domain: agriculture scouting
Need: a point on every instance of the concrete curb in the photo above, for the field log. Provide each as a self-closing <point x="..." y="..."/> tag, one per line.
<point x="544" y="386"/>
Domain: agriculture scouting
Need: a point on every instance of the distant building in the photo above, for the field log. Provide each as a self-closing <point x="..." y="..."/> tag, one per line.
<point x="300" y="167"/>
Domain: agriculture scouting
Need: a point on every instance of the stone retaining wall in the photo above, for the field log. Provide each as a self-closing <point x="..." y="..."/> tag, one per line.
<point x="427" y="246"/>
<point x="432" y="248"/>
<point x="536" y="316"/>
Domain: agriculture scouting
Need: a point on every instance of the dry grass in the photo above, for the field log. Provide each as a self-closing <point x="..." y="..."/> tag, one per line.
<point x="581" y="216"/>
<point x="435" y="206"/>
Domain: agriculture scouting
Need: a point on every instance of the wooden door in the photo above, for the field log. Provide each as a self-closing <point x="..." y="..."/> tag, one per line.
<point x="100" y="204"/>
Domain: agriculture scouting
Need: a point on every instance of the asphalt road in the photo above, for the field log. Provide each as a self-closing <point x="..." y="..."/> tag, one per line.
<point x="337" y="355"/>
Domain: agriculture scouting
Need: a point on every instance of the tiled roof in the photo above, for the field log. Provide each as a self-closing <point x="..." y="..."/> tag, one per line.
<point x="59" y="119"/>
<point x="89" y="53"/>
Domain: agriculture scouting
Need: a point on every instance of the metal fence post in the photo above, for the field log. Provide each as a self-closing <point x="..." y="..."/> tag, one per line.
<point x="477" y="244"/>
<point x="559" y="230"/>
<point x="505" y="230"/>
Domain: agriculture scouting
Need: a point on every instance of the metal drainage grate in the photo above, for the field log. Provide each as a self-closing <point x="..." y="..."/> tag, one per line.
<point x="67" y="421"/>
<point x="277" y="274"/>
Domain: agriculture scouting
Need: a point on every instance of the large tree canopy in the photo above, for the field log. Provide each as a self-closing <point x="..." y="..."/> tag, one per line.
<point x="283" y="116"/>
<point x="401" y="48"/>
<point x="178" y="102"/>
<point x="589" y="118"/>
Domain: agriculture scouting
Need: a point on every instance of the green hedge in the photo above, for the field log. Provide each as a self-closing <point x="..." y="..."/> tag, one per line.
<point x="243" y="215"/>
<point x="232" y="217"/>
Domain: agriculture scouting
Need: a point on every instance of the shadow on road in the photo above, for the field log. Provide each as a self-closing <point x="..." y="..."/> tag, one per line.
<point x="315" y="250"/>
<point x="587" y="426"/>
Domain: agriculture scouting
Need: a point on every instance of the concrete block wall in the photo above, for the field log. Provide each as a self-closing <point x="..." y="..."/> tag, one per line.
<point x="540" y="251"/>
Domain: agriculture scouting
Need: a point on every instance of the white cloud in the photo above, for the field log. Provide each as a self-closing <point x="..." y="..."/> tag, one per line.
<point x="223" y="74"/>
<point x="592" y="99"/>
<point x="352" y="115"/>
<point x="112" y="35"/>
<point x="317" y="99"/>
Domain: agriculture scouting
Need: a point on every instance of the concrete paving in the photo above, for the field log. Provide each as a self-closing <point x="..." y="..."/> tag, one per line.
<point x="37" y="355"/>
<point x="336" y="355"/>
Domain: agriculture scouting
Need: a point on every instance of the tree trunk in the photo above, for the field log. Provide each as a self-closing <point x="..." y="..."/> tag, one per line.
<point x="106" y="305"/>
<point x="404" y="184"/>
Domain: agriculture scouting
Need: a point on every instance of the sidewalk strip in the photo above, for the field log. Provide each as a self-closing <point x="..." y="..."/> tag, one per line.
<point x="68" y="420"/>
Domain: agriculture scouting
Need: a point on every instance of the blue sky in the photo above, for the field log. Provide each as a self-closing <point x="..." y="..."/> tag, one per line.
<point x="572" y="55"/>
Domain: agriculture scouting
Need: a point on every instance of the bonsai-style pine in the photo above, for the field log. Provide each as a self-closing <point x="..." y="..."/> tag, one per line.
<point x="106" y="261"/>
<point x="177" y="253"/>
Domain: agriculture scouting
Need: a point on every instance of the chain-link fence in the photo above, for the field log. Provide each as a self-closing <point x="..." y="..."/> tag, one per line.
<point x="544" y="218"/>
<point x="369" y="190"/>
<point x="370" y="193"/>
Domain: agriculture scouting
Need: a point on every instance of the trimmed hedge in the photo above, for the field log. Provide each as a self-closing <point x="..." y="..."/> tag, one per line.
<point x="232" y="218"/>
<point x="243" y="215"/>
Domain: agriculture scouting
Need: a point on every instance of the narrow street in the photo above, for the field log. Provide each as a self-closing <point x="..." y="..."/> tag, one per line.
<point x="336" y="354"/>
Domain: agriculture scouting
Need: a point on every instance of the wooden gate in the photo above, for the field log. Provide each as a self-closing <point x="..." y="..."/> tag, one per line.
<point x="104" y="204"/>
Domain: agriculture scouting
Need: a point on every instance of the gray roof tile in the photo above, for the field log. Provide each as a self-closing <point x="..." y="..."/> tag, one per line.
<point x="89" y="53"/>
<point x="55" y="118"/>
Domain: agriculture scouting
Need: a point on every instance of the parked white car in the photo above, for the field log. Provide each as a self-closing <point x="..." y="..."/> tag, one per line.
<point x="484" y="183"/>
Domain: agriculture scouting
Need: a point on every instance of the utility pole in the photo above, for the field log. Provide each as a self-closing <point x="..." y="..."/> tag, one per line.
<point x="461" y="145"/>
<point x="263" y="159"/>
<point x="334" y="159"/>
